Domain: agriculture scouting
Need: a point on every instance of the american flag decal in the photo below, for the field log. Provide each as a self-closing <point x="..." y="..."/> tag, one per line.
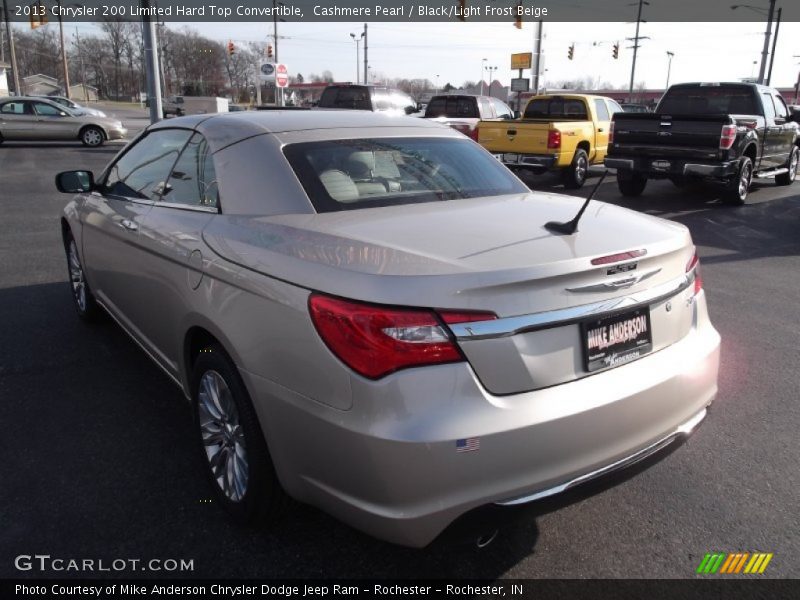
<point x="468" y="444"/>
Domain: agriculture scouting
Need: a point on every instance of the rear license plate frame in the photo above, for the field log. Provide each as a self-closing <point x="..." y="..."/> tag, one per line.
<point x="608" y="330"/>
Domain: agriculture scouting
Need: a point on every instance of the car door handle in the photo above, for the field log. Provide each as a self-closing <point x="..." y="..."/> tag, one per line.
<point x="600" y="130"/>
<point x="129" y="225"/>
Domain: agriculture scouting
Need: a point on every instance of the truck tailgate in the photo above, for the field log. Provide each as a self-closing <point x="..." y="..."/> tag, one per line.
<point x="515" y="136"/>
<point x="665" y="135"/>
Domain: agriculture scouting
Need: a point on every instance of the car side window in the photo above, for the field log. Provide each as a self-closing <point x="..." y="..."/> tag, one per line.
<point x="141" y="172"/>
<point x="381" y="99"/>
<point x="193" y="181"/>
<point x="602" y="111"/>
<point x="502" y="110"/>
<point x="486" y="111"/>
<point x="14" y="108"/>
<point x="614" y="107"/>
<point x="46" y="110"/>
<point x="769" y="107"/>
<point x="781" y="110"/>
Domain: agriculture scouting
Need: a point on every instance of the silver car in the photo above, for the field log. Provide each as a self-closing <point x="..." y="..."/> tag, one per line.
<point x="39" y="119"/>
<point x="368" y="315"/>
<point x="79" y="109"/>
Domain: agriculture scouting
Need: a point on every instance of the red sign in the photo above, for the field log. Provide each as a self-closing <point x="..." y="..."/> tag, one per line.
<point x="281" y="76"/>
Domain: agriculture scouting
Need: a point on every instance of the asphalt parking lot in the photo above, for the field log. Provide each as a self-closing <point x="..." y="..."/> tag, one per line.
<point x="99" y="455"/>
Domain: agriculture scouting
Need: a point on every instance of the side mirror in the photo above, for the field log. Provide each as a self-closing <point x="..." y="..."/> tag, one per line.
<point x="75" y="182"/>
<point x="795" y="116"/>
<point x="517" y="114"/>
<point x="410" y="109"/>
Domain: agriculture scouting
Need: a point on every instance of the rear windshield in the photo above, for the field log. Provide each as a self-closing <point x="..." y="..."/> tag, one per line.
<point x="728" y="100"/>
<point x="453" y="107"/>
<point x="556" y="108"/>
<point x="346" y="97"/>
<point x="352" y="174"/>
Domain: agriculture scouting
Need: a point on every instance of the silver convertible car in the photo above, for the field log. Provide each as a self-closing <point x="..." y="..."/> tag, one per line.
<point x="368" y="314"/>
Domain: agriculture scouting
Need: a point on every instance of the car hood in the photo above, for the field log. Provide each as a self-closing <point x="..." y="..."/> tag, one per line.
<point x="480" y="253"/>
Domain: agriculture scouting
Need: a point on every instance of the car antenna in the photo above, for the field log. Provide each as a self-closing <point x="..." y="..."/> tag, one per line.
<point x="571" y="227"/>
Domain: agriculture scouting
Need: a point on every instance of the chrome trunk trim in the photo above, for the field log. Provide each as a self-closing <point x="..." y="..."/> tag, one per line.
<point x="508" y="326"/>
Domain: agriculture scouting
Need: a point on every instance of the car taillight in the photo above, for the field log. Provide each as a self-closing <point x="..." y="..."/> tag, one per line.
<point x="611" y="133"/>
<point x="554" y="139"/>
<point x="727" y="137"/>
<point x="693" y="266"/>
<point x="376" y="340"/>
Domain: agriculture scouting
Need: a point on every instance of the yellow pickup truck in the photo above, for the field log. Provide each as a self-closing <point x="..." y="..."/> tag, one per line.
<point x="564" y="132"/>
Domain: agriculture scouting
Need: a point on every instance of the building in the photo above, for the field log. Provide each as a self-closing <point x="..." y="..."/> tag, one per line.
<point x="4" y="69"/>
<point x="81" y="92"/>
<point x="41" y="85"/>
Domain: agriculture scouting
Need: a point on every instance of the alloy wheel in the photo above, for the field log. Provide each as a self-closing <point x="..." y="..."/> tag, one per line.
<point x="76" y="277"/>
<point x="223" y="436"/>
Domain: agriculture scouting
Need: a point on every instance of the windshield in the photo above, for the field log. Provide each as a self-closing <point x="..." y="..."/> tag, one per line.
<point x="352" y="174"/>
<point x="346" y="97"/>
<point x="709" y="100"/>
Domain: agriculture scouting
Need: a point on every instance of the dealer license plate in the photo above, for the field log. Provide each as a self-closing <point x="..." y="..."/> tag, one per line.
<point x="616" y="340"/>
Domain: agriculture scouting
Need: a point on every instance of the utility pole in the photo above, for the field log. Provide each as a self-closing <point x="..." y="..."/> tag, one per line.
<point x="63" y="52"/>
<point x="636" y="47"/>
<point x="765" y="52"/>
<point x="537" y="55"/>
<point x="83" y="68"/>
<point x="774" y="45"/>
<point x="366" y="67"/>
<point x="12" y="52"/>
<point x="151" y="63"/>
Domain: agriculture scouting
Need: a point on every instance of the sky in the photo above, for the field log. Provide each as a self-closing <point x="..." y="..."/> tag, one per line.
<point x="454" y="51"/>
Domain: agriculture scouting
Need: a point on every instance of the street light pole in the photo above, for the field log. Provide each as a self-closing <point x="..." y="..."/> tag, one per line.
<point x="483" y="66"/>
<point x="151" y="63"/>
<point x="357" y="40"/>
<point x="366" y="62"/>
<point x="669" y="66"/>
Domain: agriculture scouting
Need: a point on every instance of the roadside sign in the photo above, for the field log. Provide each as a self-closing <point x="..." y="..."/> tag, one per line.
<point x="266" y="72"/>
<point x="522" y="84"/>
<point x="281" y="76"/>
<point x="521" y="60"/>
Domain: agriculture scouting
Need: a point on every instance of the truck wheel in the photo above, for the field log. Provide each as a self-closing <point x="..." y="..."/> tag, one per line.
<point x="575" y="175"/>
<point x="737" y="188"/>
<point x="631" y="184"/>
<point x="788" y="178"/>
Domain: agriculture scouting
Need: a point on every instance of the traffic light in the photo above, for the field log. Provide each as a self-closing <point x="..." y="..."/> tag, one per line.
<point x="231" y="48"/>
<point x="462" y="6"/>
<point x="269" y="50"/>
<point x="571" y="52"/>
<point x="615" y="51"/>
<point x="38" y="14"/>
<point x="518" y="16"/>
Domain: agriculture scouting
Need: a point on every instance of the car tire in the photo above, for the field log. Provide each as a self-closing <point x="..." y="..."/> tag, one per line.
<point x="575" y="175"/>
<point x="92" y="136"/>
<point x="631" y="184"/>
<point x="234" y="451"/>
<point x="738" y="187"/>
<point x="788" y="178"/>
<point x="83" y="299"/>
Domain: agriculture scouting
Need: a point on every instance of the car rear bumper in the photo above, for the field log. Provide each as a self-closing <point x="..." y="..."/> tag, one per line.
<point x="422" y="447"/>
<point x="534" y="161"/>
<point x="670" y="167"/>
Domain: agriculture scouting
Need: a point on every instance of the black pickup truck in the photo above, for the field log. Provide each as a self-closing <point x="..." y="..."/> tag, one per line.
<point x="724" y="132"/>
